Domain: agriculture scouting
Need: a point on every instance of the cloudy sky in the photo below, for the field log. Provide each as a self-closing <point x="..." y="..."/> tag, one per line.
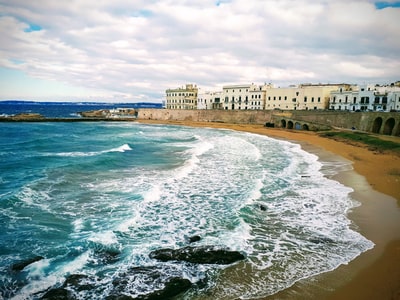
<point x="133" y="50"/>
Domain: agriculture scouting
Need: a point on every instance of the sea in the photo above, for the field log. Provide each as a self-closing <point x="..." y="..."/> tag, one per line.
<point x="83" y="204"/>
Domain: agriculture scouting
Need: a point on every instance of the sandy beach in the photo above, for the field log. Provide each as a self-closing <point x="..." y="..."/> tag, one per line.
<point x="375" y="179"/>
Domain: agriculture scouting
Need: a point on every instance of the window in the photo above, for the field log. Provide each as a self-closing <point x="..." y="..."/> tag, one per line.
<point x="312" y="99"/>
<point x="384" y="100"/>
<point x="285" y="97"/>
<point x="279" y="97"/>
<point x="319" y="99"/>
<point x="305" y="98"/>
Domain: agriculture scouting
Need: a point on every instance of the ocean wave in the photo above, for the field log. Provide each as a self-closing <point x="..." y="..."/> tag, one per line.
<point x="123" y="148"/>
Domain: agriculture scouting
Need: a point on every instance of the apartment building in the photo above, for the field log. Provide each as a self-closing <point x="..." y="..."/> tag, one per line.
<point x="209" y="100"/>
<point x="245" y="96"/>
<point x="366" y="98"/>
<point x="301" y="97"/>
<point x="182" y="98"/>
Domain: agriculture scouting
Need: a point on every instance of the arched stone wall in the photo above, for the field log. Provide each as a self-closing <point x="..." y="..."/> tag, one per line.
<point x="389" y="125"/>
<point x="376" y="127"/>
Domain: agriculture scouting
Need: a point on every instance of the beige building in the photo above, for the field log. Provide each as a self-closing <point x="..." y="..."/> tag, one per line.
<point x="244" y="97"/>
<point x="301" y="97"/>
<point x="182" y="98"/>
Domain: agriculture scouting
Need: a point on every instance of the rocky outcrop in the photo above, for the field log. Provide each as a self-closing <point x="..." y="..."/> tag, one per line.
<point x="198" y="255"/>
<point x="19" y="266"/>
<point x="173" y="287"/>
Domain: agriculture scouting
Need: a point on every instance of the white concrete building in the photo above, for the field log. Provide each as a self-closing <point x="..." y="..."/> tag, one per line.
<point x="209" y="100"/>
<point x="244" y="96"/>
<point x="366" y="98"/>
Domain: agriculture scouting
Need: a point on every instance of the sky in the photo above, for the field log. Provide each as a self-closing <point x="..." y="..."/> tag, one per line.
<point x="133" y="50"/>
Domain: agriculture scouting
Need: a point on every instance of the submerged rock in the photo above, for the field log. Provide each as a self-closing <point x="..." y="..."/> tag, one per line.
<point x="194" y="239"/>
<point x="57" y="294"/>
<point x="173" y="287"/>
<point x="19" y="266"/>
<point x="199" y="255"/>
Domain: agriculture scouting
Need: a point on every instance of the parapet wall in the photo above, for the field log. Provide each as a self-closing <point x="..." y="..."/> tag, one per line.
<point x="376" y="122"/>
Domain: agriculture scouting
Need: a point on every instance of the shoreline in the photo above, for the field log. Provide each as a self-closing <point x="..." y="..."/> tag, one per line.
<point x="375" y="180"/>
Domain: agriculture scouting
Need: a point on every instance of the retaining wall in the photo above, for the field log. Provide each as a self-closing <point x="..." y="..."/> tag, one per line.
<point x="376" y="122"/>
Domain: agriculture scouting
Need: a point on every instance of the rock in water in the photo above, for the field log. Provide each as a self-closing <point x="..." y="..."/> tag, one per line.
<point x="19" y="266"/>
<point x="194" y="239"/>
<point x="173" y="287"/>
<point x="199" y="255"/>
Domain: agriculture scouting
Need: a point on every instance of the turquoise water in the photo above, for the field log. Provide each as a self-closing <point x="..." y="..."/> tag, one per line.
<point x="95" y="198"/>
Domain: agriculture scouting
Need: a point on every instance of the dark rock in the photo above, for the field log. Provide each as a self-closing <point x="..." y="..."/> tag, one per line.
<point x="173" y="287"/>
<point x="199" y="255"/>
<point x="19" y="266"/>
<point x="77" y="282"/>
<point x="57" y="294"/>
<point x="321" y="240"/>
<point x="262" y="207"/>
<point x="105" y="256"/>
<point x="119" y="297"/>
<point x="194" y="239"/>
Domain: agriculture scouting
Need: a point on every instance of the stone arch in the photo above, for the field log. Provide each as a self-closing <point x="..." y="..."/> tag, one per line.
<point x="389" y="125"/>
<point x="290" y="125"/>
<point x="297" y="126"/>
<point x="376" y="127"/>
<point x="283" y="123"/>
<point x="305" y="127"/>
<point x="397" y="132"/>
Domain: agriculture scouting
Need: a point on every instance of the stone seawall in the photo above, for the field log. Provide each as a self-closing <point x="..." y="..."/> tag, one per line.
<point x="224" y="116"/>
<point x="376" y="122"/>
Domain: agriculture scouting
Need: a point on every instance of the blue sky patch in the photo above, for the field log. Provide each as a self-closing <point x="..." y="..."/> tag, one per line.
<point x="16" y="61"/>
<point x="382" y="5"/>
<point x="219" y="2"/>
<point x="143" y="13"/>
<point x="33" y="27"/>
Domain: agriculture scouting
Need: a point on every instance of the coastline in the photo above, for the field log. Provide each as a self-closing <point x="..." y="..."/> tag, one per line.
<point x="375" y="179"/>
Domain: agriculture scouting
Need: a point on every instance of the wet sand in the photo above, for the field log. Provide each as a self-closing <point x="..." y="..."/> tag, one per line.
<point x="375" y="180"/>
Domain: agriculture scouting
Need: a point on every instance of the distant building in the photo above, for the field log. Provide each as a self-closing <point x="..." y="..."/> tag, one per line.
<point x="244" y="97"/>
<point x="182" y="98"/>
<point x="301" y="97"/>
<point x="366" y="98"/>
<point x="209" y="100"/>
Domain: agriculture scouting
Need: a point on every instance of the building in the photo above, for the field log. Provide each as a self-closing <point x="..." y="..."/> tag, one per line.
<point x="245" y="96"/>
<point x="301" y="97"/>
<point x="182" y="98"/>
<point x="366" y="98"/>
<point x="209" y="100"/>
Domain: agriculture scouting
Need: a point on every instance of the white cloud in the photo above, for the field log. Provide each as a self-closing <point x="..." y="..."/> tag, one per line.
<point x="137" y="49"/>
